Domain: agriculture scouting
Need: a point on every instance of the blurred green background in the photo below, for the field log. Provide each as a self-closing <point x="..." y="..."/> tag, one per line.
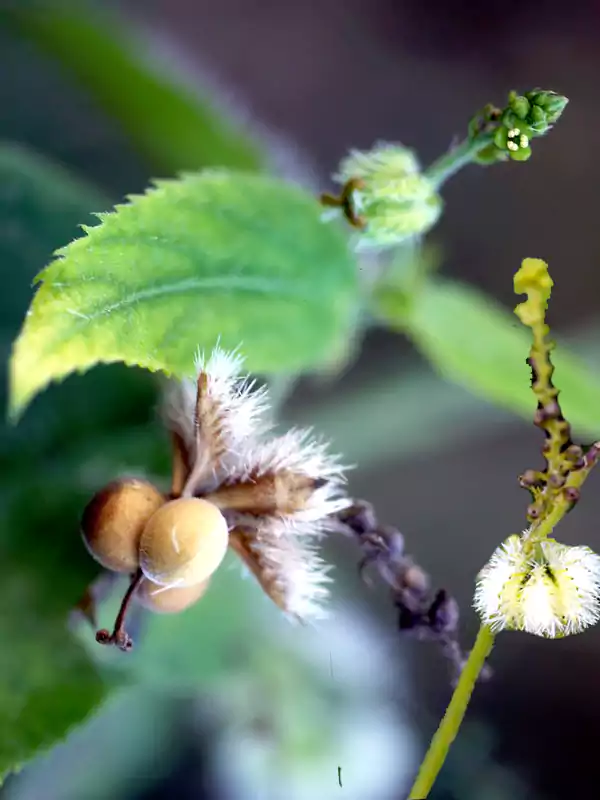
<point x="226" y="700"/>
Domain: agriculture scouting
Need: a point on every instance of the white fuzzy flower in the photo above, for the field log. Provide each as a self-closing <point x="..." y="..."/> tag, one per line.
<point x="548" y="588"/>
<point x="278" y="492"/>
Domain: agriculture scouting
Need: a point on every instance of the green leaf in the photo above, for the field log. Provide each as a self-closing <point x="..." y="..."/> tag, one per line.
<point x="217" y="256"/>
<point x="401" y="278"/>
<point x="476" y="343"/>
<point x="47" y="683"/>
<point x="48" y="464"/>
<point x="168" y="124"/>
<point x="41" y="205"/>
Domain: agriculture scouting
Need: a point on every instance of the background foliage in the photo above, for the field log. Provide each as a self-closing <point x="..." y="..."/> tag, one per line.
<point x="60" y="459"/>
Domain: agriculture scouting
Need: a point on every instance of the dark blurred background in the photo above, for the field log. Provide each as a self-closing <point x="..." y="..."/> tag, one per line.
<point x="314" y="79"/>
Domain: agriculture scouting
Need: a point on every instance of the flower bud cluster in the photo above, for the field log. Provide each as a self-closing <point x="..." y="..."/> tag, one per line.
<point x="514" y="127"/>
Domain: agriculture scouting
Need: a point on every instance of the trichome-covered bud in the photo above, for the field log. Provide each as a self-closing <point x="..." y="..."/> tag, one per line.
<point x="113" y="521"/>
<point x="544" y="588"/>
<point x="183" y="543"/>
<point x="386" y="196"/>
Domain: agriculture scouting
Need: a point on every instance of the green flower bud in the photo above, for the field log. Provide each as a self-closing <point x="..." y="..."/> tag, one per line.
<point x="391" y="197"/>
<point x="551" y="103"/>
<point x="490" y="155"/>
<point x="519" y="105"/>
<point x="538" y="120"/>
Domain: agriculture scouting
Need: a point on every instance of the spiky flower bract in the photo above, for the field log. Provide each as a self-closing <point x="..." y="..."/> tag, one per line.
<point x="278" y="493"/>
<point x="545" y="588"/>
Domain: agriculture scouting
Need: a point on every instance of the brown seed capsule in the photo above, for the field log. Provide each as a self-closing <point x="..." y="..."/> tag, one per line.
<point x="183" y="543"/>
<point x="113" y="521"/>
<point x="164" y="600"/>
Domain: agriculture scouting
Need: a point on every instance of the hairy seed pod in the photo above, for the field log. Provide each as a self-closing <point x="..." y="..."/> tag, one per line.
<point x="165" y="600"/>
<point x="113" y="521"/>
<point x="183" y="543"/>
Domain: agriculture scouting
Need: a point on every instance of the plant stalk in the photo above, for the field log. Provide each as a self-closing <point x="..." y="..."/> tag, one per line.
<point x="448" y="728"/>
<point x="455" y="159"/>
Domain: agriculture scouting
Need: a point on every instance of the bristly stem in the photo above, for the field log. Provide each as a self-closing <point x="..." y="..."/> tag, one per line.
<point x="450" y="724"/>
<point x="455" y="159"/>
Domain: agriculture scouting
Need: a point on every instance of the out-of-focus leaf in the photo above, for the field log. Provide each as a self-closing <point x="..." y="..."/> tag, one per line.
<point x="215" y="256"/>
<point x="47" y="683"/>
<point x="408" y="412"/>
<point x="474" y="342"/>
<point x="408" y="268"/>
<point x="107" y="758"/>
<point x="168" y="124"/>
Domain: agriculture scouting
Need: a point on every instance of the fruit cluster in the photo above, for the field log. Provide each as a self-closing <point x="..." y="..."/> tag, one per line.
<point x="171" y="547"/>
<point x="233" y="485"/>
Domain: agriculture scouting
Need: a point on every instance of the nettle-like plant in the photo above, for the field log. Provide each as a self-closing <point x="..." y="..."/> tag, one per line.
<point x="218" y="274"/>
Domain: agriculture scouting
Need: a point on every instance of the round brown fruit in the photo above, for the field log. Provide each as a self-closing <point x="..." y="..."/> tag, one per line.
<point x="113" y="521"/>
<point x="183" y="542"/>
<point x="165" y="600"/>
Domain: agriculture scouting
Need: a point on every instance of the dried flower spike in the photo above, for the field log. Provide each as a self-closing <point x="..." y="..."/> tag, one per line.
<point x="421" y="612"/>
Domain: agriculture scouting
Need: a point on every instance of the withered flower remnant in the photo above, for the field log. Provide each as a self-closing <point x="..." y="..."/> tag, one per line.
<point x="234" y="485"/>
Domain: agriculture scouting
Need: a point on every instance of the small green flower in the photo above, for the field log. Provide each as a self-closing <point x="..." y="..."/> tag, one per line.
<point x="515" y="141"/>
<point x="390" y="198"/>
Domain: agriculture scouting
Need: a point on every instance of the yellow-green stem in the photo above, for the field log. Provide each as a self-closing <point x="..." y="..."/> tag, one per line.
<point x="455" y="159"/>
<point x="448" y="728"/>
<point x="450" y="724"/>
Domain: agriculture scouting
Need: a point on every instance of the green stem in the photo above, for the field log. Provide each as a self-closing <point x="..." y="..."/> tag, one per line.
<point x="448" y="728"/>
<point x="454" y="160"/>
